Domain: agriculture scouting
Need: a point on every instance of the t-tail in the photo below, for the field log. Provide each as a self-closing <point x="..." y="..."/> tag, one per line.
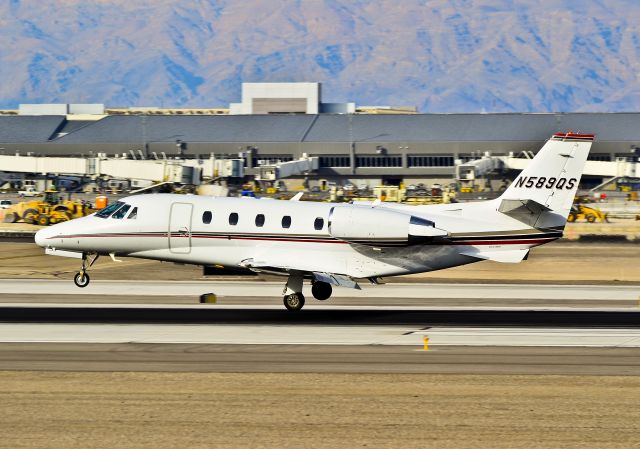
<point x="542" y="194"/>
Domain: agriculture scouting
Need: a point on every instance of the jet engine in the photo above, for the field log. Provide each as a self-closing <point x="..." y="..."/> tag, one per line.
<point x="380" y="227"/>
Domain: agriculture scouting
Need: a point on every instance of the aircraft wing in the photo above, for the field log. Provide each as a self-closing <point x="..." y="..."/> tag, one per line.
<point x="339" y="280"/>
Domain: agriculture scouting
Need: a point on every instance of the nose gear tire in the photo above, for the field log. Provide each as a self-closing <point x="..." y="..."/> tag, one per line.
<point x="81" y="280"/>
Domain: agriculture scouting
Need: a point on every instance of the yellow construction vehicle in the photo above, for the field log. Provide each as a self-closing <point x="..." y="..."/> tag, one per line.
<point x="582" y="212"/>
<point x="50" y="210"/>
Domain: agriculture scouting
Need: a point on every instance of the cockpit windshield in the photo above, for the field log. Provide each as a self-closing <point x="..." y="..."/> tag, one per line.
<point x="111" y="208"/>
<point x="120" y="213"/>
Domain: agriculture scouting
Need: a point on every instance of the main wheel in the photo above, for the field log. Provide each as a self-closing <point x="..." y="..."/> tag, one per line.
<point x="591" y="218"/>
<point x="321" y="290"/>
<point x="294" y="301"/>
<point x="81" y="279"/>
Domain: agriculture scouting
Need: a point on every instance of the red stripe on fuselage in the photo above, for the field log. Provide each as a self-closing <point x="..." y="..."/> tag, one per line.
<point x="308" y="240"/>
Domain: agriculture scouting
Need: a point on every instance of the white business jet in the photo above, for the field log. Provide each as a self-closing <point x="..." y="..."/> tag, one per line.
<point x="332" y="244"/>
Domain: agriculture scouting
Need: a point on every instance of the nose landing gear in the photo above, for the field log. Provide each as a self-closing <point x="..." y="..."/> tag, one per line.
<point x="82" y="279"/>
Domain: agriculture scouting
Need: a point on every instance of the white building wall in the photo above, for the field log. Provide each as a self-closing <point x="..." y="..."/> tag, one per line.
<point x="308" y="91"/>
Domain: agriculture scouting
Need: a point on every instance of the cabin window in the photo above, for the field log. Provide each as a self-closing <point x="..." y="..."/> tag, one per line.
<point x="120" y="213"/>
<point x="206" y="217"/>
<point x="259" y="220"/>
<point x="233" y="218"/>
<point x="134" y="214"/>
<point x="111" y="208"/>
<point x="318" y="224"/>
<point x="286" y="222"/>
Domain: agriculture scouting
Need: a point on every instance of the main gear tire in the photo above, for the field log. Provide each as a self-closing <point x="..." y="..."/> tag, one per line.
<point x="294" y="302"/>
<point x="321" y="290"/>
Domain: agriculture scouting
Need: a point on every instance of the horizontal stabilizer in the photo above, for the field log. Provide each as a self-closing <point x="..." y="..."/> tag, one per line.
<point x="506" y="256"/>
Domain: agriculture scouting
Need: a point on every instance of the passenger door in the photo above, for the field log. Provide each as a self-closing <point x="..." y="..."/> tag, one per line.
<point x="180" y="228"/>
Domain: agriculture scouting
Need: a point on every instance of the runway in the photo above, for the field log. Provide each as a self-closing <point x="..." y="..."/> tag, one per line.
<point x="260" y="289"/>
<point x="160" y="326"/>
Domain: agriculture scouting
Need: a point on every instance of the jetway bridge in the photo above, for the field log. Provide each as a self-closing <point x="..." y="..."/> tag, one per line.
<point x="182" y="171"/>
<point x="468" y="172"/>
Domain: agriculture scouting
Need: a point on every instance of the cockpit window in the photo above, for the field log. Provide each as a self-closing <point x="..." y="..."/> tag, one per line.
<point x="134" y="214"/>
<point x="111" y="208"/>
<point x="421" y="222"/>
<point x="122" y="212"/>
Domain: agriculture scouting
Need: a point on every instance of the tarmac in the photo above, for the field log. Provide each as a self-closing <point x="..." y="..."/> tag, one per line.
<point x="543" y="354"/>
<point x="385" y="332"/>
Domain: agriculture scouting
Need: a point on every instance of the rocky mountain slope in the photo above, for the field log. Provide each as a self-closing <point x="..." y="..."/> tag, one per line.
<point x="439" y="55"/>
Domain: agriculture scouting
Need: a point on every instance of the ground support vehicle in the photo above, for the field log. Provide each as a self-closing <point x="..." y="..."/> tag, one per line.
<point x="50" y="210"/>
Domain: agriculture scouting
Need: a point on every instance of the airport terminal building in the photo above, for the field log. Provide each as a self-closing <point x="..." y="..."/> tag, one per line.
<point x="385" y="146"/>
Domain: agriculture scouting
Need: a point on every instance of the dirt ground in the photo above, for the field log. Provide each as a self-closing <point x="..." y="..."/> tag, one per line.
<point x="558" y="262"/>
<point x="163" y="410"/>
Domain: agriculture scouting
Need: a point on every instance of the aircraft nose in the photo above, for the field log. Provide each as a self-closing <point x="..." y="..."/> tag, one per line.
<point x="42" y="235"/>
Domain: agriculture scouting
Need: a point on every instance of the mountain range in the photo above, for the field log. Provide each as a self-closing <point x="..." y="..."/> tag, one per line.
<point x="438" y="55"/>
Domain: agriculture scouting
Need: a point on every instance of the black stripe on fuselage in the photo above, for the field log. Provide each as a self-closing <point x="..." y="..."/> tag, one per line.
<point x="555" y="234"/>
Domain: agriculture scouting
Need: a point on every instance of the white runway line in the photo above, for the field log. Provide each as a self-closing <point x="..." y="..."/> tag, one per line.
<point x="274" y="289"/>
<point x="317" y="335"/>
<point x="206" y="334"/>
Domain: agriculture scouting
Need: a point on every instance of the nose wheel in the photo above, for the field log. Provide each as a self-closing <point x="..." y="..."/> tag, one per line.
<point x="82" y="279"/>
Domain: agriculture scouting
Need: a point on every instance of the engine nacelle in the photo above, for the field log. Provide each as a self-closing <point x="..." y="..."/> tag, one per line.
<point x="380" y="227"/>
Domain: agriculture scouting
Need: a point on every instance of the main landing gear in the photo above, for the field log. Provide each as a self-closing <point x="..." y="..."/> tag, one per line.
<point x="294" y="301"/>
<point x="321" y="290"/>
<point x="82" y="279"/>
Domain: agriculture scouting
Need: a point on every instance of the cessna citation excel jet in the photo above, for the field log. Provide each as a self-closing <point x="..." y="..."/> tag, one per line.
<point x="332" y="244"/>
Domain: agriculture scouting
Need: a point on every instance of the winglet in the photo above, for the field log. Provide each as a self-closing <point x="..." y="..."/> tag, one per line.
<point x="297" y="196"/>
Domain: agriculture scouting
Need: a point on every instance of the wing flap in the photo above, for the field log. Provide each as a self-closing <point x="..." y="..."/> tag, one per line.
<point x="339" y="280"/>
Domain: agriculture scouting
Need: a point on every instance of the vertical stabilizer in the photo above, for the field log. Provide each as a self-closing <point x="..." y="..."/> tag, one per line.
<point x="551" y="179"/>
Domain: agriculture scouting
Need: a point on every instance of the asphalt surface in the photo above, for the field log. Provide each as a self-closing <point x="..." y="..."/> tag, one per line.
<point x="342" y="316"/>
<point x="318" y="359"/>
<point x="160" y="326"/>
